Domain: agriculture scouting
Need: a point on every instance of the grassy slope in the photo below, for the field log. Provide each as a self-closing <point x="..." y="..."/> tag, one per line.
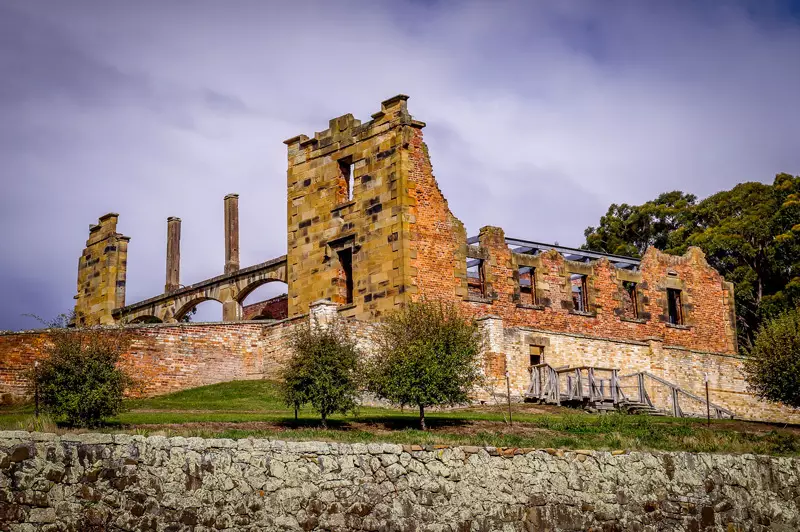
<point x="253" y="408"/>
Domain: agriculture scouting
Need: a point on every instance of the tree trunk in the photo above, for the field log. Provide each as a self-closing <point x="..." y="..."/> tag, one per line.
<point x="324" y="421"/>
<point x="295" y="413"/>
<point x="422" y="418"/>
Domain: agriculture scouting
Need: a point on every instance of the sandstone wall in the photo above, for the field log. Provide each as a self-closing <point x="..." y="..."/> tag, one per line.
<point x="121" y="482"/>
<point x="509" y="349"/>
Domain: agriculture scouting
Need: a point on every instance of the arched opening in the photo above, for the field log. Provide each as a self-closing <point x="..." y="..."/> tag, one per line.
<point x="200" y="310"/>
<point x="265" y="300"/>
<point x="145" y="319"/>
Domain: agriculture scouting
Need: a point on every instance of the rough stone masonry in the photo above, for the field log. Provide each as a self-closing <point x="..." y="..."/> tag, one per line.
<point x="121" y="482"/>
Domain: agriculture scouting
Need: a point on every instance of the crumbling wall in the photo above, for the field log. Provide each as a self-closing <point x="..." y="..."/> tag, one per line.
<point x="101" y="274"/>
<point x="707" y="298"/>
<point x="368" y="224"/>
<point x="276" y="308"/>
<point x="123" y="482"/>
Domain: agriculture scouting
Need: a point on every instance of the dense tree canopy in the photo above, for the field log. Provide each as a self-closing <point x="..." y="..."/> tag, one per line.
<point x="751" y="234"/>
<point x="323" y="369"/>
<point x="773" y="368"/>
<point x="428" y="355"/>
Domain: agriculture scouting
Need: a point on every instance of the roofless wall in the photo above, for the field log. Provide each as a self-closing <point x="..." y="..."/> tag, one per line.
<point x="368" y="229"/>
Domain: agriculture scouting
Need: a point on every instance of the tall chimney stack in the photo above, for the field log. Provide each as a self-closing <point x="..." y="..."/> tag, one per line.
<point x="173" y="254"/>
<point x="231" y="233"/>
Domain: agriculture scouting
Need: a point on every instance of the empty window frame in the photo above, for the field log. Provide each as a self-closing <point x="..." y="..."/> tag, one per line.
<point x="674" y="306"/>
<point x="346" y="274"/>
<point x="536" y="354"/>
<point x="580" y="300"/>
<point x="527" y="285"/>
<point x="630" y="300"/>
<point x="347" y="177"/>
<point x="476" y="285"/>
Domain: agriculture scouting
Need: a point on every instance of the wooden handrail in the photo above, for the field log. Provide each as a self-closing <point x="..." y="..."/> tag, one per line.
<point x="675" y="391"/>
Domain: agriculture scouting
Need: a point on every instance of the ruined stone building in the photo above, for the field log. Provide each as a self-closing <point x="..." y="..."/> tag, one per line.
<point x="369" y="229"/>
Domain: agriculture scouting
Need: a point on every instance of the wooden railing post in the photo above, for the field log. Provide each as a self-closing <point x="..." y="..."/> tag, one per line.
<point x="641" y="388"/>
<point x="614" y="385"/>
<point x="676" y="410"/>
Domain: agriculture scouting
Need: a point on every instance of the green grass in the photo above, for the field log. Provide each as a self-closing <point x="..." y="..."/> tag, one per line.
<point x="242" y="409"/>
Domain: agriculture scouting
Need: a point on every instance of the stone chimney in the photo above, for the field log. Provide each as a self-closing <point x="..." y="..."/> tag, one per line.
<point x="173" y="254"/>
<point x="231" y="233"/>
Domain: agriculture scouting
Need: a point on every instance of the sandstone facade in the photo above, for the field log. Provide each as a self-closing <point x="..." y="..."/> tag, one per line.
<point x="121" y="482"/>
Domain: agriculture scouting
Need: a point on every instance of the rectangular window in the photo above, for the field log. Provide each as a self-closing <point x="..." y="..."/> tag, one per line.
<point x="475" y="278"/>
<point x="630" y="300"/>
<point x="674" y="306"/>
<point x="536" y="354"/>
<point x="580" y="302"/>
<point x="346" y="274"/>
<point x="527" y="285"/>
<point x="347" y="176"/>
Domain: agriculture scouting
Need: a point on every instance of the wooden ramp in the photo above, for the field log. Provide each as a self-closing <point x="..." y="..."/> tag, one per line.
<point x="599" y="389"/>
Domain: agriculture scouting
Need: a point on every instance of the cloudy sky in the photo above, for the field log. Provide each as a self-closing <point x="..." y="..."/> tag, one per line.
<point x="540" y="114"/>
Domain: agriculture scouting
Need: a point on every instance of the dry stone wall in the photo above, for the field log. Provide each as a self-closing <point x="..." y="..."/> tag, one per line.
<point x="122" y="482"/>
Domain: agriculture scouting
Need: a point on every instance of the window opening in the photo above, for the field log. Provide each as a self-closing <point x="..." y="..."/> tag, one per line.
<point x="475" y="278"/>
<point x="675" y="308"/>
<point x="346" y="273"/>
<point x="630" y="300"/>
<point x="536" y="354"/>
<point x="527" y="285"/>
<point x="347" y="173"/>
<point x="580" y="303"/>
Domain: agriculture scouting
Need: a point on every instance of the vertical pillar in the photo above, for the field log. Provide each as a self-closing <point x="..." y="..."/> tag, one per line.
<point x="322" y="312"/>
<point x="231" y="233"/>
<point x="495" y="359"/>
<point x="173" y="254"/>
<point x="101" y="274"/>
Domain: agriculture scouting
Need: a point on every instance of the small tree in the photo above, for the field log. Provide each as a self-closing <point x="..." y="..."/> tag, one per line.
<point x="428" y="354"/>
<point x="323" y="370"/>
<point x="773" y="368"/>
<point x="79" y="379"/>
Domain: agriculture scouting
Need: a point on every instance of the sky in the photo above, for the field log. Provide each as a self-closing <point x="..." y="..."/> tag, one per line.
<point x="540" y="115"/>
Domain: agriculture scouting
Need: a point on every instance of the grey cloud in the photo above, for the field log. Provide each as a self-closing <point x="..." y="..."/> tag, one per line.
<point x="540" y="114"/>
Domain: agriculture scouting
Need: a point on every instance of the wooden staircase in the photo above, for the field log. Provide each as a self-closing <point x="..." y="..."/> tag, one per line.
<point x="598" y="389"/>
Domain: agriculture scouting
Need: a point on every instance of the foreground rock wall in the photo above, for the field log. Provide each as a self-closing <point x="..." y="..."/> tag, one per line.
<point x="122" y="482"/>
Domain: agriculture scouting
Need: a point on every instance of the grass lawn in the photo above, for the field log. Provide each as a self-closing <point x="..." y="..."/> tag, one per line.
<point x="241" y="409"/>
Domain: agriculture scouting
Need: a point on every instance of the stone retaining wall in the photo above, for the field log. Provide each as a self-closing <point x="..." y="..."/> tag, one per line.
<point x="122" y="482"/>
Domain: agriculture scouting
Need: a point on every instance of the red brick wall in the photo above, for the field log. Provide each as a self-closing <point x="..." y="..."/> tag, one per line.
<point x="170" y="357"/>
<point x="276" y="308"/>
<point x="436" y="235"/>
<point x="705" y="298"/>
<point x="438" y="260"/>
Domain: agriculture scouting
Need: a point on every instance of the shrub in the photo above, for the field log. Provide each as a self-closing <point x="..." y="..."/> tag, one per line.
<point x="79" y="379"/>
<point x="428" y="354"/>
<point x="773" y="368"/>
<point x="323" y="370"/>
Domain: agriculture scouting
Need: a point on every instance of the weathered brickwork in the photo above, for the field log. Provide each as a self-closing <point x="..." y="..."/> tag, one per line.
<point x="101" y="273"/>
<point x="166" y="358"/>
<point x="121" y="482"/>
<point x="276" y="308"/>
<point x="707" y="298"/>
